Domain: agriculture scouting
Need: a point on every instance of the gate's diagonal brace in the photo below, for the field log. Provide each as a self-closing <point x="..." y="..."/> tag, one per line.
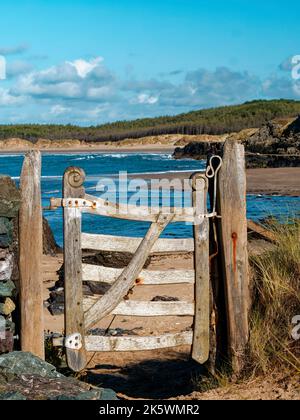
<point x="126" y="280"/>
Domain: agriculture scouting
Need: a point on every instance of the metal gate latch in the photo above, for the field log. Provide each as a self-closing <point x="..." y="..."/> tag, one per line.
<point x="73" y="341"/>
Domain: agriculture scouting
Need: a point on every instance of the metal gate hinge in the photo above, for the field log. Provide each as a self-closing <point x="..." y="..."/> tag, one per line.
<point x="73" y="341"/>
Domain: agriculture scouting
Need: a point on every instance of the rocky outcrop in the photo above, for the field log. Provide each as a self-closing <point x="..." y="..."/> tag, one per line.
<point x="9" y="207"/>
<point x="197" y="150"/>
<point x="274" y="145"/>
<point x="26" y="377"/>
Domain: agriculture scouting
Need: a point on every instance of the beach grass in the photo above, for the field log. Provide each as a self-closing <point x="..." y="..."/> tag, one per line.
<point x="276" y="301"/>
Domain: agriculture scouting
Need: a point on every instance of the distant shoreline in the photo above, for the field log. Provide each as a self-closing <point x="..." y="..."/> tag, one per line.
<point x="265" y="181"/>
<point x="99" y="149"/>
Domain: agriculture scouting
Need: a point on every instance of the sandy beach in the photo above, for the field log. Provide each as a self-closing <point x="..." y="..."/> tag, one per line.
<point x="269" y="181"/>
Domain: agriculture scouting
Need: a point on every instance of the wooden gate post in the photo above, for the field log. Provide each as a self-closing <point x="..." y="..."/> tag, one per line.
<point x="74" y="316"/>
<point x="233" y="247"/>
<point x="201" y="341"/>
<point x="30" y="256"/>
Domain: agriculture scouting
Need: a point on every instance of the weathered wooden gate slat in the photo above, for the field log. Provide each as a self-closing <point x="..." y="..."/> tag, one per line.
<point x="233" y="246"/>
<point x="125" y="244"/>
<point x="30" y="258"/>
<point x="146" y="308"/>
<point x="74" y="317"/>
<point x="200" y="349"/>
<point x="109" y="275"/>
<point x="138" y="213"/>
<point x="133" y="343"/>
<point x="126" y="280"/>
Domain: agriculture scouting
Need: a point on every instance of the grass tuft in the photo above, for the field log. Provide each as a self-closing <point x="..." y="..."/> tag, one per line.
<point x="276" y="301"/>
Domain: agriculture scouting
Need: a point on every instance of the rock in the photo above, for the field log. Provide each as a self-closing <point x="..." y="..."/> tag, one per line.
<point x="56" y="308"/>
<point x="272" y="161"/>
<point x="9" y="197"/>
<point x="6" y="324"/>
<point x="22" y="363"/>
<point x="6" y="232"/>
<point x="97" y="288"/>
<point x="6" y="335"/>
<point x="164" y="299"/>
<point x="56" y="301"/>
<point x="7" y="307"/>
<point x="293" y="130"/>
<point x="113" y="332"/>
<point x="24" y="376"/>
<point x="6" y="265"/>
<point x="273" y="145"/>
<point x="6" y="288"/>
<point x="50" y="246"/>
<point x="12" y="396"/>
<point x="111" y="259"/>
<point x="198" y="150"/>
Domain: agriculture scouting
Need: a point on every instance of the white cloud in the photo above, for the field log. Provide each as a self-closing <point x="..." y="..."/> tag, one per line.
<point x="59" y="110"/>
<point x="84" y="67"/>
<point x="87" y="91"/>
<point x="6" y="99"/>
<point x="144" y="98"/>
<point x="17" y="68"/>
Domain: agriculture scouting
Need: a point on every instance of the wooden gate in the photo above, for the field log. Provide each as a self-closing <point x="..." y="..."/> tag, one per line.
<point x="226" y="269"/>
<point x="82" y="314"/>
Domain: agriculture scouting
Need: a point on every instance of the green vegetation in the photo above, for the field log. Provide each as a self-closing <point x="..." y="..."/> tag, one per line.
<point x="208" y="121"/>
<point x="276" y="301"/>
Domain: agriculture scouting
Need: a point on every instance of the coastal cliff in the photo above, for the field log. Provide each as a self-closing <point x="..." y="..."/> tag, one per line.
<point x="274" y="145"/>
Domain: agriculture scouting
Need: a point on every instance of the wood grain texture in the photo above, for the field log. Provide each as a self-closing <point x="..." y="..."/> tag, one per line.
<point x="109" y="275"/>
<point x="146" y="309"/>
<point x="132" y="343"/>
<point x="127" y="279"/>
<point x="232" y="203"/>
<point x="30" y="256"/>
<point x="74" y="317"/>
<point x="138" y="213"/>
<point x="200" y="349"/>
<point x="126" y="244"/>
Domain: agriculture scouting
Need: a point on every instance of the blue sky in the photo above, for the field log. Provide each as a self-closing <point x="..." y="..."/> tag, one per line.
<point x="88" y="62"/>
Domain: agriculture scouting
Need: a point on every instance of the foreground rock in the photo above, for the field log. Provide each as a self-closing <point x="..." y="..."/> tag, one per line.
<point x="26" y="377"/>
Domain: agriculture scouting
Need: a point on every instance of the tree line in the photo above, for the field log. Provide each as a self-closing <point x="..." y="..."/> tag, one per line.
<point x="207" y="121"/>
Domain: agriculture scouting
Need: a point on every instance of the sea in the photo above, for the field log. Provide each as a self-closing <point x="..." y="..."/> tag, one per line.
<point x="99" y="166"/>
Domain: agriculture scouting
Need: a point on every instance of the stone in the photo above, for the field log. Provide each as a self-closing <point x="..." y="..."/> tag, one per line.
<point x="10" y="197"/>
<point x="273" y="145"/>
<point x="6" y="265"/>
<point x="50" y="246"/>
<point x="6" y="232"/>
<point x="6" y="288"/>
<point x="12" y="396"/>
<point x="22" y="363"/>
<point x="56" y="308"/>
<point x="198" y="150"/>
<point x="6" y="335"/>
<point x="165" y="299"/>
<point x="25" y="376"/>
<point x="7" y="307"/>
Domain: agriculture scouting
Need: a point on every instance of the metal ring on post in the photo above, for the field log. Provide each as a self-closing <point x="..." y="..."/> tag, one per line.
<point x="212" y="172"/>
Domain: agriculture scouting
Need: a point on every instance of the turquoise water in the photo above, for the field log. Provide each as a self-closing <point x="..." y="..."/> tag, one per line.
<point x="100" y="165"/>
